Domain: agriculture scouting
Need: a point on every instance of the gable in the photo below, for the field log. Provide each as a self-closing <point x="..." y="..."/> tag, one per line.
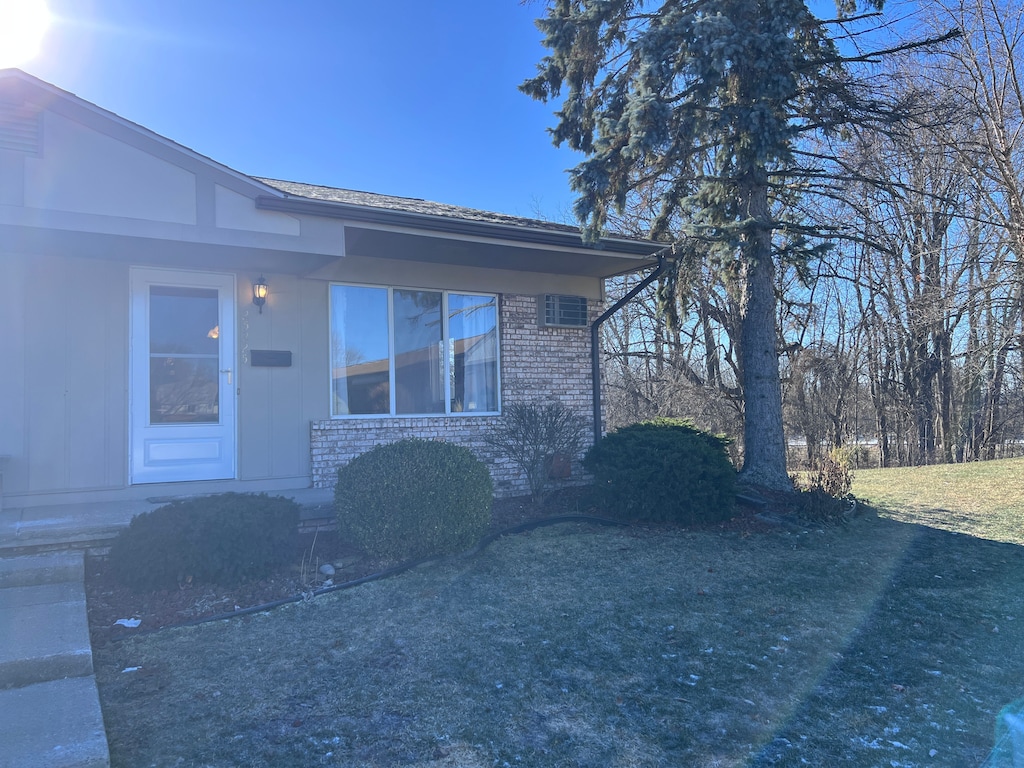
<point x="76" y="177"/>
<point x="81" y="170"/>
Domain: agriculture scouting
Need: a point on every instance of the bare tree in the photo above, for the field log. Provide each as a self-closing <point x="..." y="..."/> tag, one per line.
<point x="909" y="332"/>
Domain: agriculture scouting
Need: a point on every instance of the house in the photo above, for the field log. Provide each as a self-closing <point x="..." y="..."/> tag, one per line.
<point x="171" y="326"/>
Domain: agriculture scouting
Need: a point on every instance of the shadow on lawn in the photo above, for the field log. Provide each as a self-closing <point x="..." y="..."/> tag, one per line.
<point x="878" y="643"/>
<point x="929" y="668"/>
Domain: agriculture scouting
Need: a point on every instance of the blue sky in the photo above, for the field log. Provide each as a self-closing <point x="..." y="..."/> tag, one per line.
<point x="408" y="97"/>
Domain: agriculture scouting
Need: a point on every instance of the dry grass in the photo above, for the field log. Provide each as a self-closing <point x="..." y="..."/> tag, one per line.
<point x="879" y="644"/>
<point x="981" y="499"/>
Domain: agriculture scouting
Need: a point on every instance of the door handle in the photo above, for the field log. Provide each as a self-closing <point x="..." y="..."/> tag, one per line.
<point x="228" y="372"/>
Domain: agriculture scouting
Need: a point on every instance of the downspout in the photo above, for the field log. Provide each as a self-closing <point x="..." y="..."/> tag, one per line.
<point x="595" y="341"/>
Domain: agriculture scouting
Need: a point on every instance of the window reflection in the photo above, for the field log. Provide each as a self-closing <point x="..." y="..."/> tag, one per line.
<point x="359" y="350"/>
<point x="444" y="357"/>
<point x="473" y="352"/>
<point x="184" y="364"/>
<point x="419" y="364"/>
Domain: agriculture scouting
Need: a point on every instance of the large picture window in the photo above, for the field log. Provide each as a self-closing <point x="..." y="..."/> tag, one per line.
<point x="401" y="352"/>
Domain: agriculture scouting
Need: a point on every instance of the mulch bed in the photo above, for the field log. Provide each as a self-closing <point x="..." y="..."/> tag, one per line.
<point x="110" y="601"/>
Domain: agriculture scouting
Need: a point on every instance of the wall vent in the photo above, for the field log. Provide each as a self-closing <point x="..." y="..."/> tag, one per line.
<point x="559" y="311"/>
<point x="19" y="128"/>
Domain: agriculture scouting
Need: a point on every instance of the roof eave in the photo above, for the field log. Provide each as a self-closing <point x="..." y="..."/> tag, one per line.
<point x="452" y="226"/>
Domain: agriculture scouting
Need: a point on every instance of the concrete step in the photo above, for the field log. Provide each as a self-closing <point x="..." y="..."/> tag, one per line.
<point x="30" y="543"/>
<point x="56" y="724"/>
<point x="50" y="568"/>
<point x="46" y="634"/>
<point x="49" y="707"/>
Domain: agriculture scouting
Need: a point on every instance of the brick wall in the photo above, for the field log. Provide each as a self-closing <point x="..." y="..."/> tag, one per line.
<point x="537" y="364"/>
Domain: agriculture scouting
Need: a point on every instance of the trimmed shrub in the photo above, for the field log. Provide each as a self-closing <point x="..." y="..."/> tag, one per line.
<point x="226" y="539"/>
<point x="664" y="470"/>
<point x="414" y="498"/>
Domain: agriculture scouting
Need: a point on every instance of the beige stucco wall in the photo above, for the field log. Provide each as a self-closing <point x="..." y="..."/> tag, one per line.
<point x="275" y="405"/>
<point x="63" y="373"/>
<point x="97" y="197"/>
<point x="95" y="182"/>
<point x="87" y="171"/>
<point x="64" y="381"/>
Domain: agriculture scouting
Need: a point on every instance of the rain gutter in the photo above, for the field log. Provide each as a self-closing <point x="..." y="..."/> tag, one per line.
<point x="595" y="331"/>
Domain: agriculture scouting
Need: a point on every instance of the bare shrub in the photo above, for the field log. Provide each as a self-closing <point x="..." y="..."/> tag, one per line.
<point x="533" y="434"/>
<point x="834" y="476"/>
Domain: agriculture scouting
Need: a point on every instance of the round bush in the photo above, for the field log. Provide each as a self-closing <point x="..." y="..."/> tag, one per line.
<point x="414" y="498"/>
<point x="663" y="470"/>
<point x="225" y="539"/>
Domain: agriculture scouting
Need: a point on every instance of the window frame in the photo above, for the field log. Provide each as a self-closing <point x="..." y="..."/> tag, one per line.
<point x="446" y="342"/>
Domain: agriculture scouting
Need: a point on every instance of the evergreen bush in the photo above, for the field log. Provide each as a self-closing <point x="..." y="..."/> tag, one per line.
<point x="414" y="498"/>
<point x="226" y="539"/>
<point x="664" y="470"/>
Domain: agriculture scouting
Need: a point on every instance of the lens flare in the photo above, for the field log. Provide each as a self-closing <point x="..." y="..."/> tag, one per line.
<point x="23" y="23"/>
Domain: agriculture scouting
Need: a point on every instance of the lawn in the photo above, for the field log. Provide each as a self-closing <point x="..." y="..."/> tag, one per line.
<point x="980" y="499"/>
<point x="893" y="641"/>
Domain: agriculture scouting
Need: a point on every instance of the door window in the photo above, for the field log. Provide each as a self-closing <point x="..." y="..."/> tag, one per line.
<point x="184" y="360"/>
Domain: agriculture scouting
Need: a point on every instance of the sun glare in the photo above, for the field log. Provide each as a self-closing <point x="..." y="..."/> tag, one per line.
<point x="22" y="26"/>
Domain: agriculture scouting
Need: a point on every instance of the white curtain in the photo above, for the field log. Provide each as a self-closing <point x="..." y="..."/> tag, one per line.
<point x="474" y="329"/>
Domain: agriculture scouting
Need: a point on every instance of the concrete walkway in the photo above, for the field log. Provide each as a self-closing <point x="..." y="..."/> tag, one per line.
<point x="51" y="708"/>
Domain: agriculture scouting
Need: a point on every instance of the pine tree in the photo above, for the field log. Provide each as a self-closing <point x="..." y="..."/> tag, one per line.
<point x="711" y="101"/>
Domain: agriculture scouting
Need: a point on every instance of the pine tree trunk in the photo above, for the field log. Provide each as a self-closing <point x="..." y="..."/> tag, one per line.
<point x="764" y="446"/>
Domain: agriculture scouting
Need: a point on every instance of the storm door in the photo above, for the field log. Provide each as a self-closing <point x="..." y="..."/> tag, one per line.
<point x="182" y="376"/>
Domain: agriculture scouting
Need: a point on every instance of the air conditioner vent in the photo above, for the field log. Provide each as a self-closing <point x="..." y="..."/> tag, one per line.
<point x="563" y="311"/>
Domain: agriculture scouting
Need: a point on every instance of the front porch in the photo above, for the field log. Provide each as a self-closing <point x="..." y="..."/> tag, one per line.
<point x="91" y="525"/>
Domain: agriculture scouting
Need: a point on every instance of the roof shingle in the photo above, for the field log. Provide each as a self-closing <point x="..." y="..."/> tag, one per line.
<point x="409" y="205"/>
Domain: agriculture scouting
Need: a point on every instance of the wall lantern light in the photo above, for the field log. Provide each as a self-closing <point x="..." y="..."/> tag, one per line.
<point x="259" y="292"/>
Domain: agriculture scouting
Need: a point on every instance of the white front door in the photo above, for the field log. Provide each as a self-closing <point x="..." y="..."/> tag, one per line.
<point x="182" y="390"/>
